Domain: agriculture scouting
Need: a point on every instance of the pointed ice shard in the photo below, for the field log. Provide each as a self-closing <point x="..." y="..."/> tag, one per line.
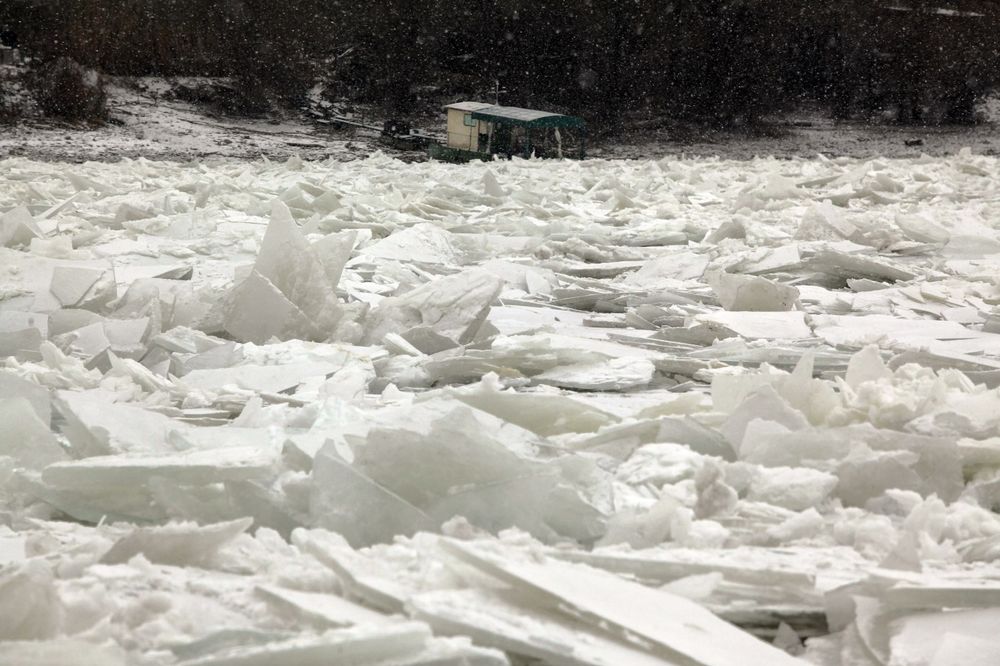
<point x="29" y="603"/>
<point x="24" y="437"/>
<point x="866" y="366"/>
<point x="289" y="293"/>
<point x="17" y="227"/>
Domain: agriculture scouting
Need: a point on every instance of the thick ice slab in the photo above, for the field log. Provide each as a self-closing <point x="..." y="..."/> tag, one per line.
<point x="679" y="628"/>
<point x="496" y="618"/>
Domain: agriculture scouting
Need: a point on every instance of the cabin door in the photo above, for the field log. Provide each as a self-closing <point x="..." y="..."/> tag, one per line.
<point x="502" y="139"/>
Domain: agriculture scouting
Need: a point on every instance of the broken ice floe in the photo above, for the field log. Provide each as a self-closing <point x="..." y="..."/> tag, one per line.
<point x="598" y="413"/>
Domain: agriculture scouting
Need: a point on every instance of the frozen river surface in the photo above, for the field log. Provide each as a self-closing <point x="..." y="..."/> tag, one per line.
<point x="686" y="412"/>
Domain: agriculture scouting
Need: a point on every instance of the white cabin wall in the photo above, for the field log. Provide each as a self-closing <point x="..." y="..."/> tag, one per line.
<point x="460" y="135"/>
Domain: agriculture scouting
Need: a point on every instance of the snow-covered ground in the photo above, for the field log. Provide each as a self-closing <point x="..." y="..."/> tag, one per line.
<point x="601" y="412"/>
<point x="147" y="120"/>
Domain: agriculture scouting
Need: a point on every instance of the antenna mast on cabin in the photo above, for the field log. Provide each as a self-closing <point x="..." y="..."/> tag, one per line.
<point x="497" y="91"/>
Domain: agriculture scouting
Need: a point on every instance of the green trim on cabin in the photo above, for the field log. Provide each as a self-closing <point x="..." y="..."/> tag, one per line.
<point x="445" y="154"/>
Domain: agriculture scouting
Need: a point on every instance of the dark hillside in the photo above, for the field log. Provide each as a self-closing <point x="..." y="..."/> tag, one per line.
<point x="721" y="62"/>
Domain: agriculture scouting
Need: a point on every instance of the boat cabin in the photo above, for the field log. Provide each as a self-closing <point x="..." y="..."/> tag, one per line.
<point x="477" y="131"/>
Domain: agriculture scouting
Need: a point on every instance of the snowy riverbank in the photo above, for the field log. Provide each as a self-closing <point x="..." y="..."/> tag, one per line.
<point x="148" y="119"/>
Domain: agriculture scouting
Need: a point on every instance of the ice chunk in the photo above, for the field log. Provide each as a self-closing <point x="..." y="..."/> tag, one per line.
<point x="540" y="505"/>
<point x="334" y="251"/>
<point x="922" y="230"/>
<point x="677" y="627"/>
<point x="289" y="292"/>
<point x="363" y="577"/>
<point x="617" y="374"/>
<point x="181" y="545"/>
<point x="797" y="489"/>
<point x="21" y="344"/>
<point x="426" y="340"/>
<point x="25" y="437"/>
<point x="83" y="287"/>
<point x="21" y="334"/>
<point x="526" y="277"/>
<point x="327" y="202"/>
<point x="870" y="460"/>
<point x="408" y="456"/>
<point x="543" y="413"/>
<point x="790" y="571"/>
<point x="85" y="342"/>
<point x="866" y="366"/>
<point x="972" y="415"/>
<point x="769" y="260"/>
<point x="127" y="337"/>
<point x="916" y="639"/>
<point x="959" y="648"/>
<point x="772" y="188"/>
<point x="99" y="474"/>
<point x="259" y="312"/>
<point x="845" y="266"/>
<point x="62" y="652"/>
<point x="890" y="332"/>
<point x="422" y="243"/>
<point x="29" y="603"/>
<point x="328" y="610"/>
<point x="259" y="378"/>
<point x="439" y="459"/>
<point x="58" y="247"/>
<point x="925" y="592"/>
<point x="865" y="474"/>
<point x="357" y="645"/>
<point x="95" y="425"/>
<point x="17" y="227"/>
<point x="825" y="221"/>
<point x="12" y="547"/>
<point x="500" y="619"/>
<point x="715" y="499"/>
<point x="122" y="337"/>
<point x="749" y="293"/>
<point x="660" y="272"/>
<point x="763" y="404"/>
<point x="13" y="321"/>
<point x="492" y="186"/>
<point x="453" y="307"/>
<point x="338" y="490"/>
<point x="757" y="325"/>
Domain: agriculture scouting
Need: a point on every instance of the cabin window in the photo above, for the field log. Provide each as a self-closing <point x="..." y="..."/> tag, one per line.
<point x="469" y="122"/>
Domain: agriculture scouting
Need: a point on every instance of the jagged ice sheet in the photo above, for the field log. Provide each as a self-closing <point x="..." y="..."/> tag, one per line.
<point x="682" y="412"/>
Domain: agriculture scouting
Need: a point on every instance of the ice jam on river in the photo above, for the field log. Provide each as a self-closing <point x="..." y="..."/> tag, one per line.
<point x="695" y="411"/>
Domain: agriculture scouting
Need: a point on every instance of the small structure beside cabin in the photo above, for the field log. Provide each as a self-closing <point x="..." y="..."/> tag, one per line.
<point x="477" y="131"/>
<point x="463" y="130"/>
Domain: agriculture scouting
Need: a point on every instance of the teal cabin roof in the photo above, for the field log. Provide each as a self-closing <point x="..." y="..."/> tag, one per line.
<point x="511" y="115"/>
